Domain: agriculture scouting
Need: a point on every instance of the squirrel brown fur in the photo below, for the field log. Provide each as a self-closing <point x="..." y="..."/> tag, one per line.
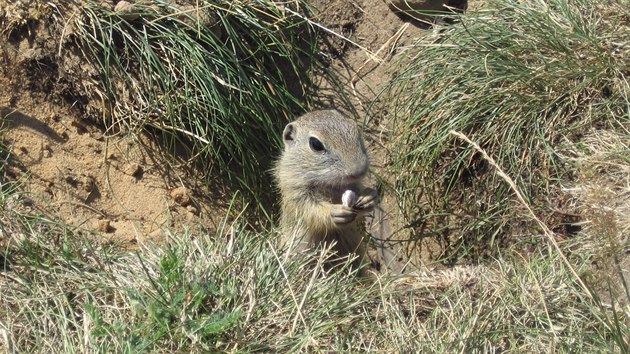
<point x="324" y="155"/>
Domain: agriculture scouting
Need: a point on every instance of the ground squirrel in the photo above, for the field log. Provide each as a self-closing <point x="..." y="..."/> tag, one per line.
<point x="324" y="158"/>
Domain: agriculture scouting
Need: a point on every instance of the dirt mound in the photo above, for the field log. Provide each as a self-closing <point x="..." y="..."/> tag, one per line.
<point x="118" y="186"/>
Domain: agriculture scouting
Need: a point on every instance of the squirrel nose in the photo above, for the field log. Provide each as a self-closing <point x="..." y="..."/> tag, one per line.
<point x="358" y="170"/>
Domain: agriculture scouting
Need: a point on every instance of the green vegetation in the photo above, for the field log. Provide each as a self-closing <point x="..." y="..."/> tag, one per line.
<point x="538" y="91"/>
<point x="220" y="79"/>
<point x="521" y="79"/>
<point x="234" y="292"/>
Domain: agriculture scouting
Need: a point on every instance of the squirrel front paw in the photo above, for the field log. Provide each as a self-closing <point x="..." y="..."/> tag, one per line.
<point x="342" y="215"/>
<point x="367" y="201"/>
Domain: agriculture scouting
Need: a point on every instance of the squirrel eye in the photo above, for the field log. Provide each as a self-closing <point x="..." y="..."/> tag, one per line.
<point x="315" y="144"/>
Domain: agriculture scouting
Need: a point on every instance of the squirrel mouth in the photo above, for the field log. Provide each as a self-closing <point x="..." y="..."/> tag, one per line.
<point x="354" y="177"/>
<point x="347" y="182"/>
<point x="350" y="180"/>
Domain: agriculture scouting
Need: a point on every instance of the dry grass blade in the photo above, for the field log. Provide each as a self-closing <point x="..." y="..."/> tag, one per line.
<point x="548" y="233"/>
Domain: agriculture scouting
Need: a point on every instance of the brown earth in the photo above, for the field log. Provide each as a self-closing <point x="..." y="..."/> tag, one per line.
<point x="116" y="185"/>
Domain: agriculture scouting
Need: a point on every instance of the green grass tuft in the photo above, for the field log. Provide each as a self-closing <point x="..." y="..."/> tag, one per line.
<point x="519" y="79"/>
<point x="219" y="78"/>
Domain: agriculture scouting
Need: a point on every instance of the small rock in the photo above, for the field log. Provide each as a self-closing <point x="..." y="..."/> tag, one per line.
<point x="191" y="209"/>
<point x="32" y="54"/>
<point x="155" y="235"/>
<point x="194" y="15"/>
<point x="105" y="226"/>
<point x="126" y="10"/>
<point x="88" y="182"/>
<point x="133" y="169"/>
<point x="108" y="4"/>
<point x="180" y="196"/>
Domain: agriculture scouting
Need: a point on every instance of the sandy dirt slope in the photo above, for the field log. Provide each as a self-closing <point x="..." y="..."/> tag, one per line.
<point x="119" y="186"/>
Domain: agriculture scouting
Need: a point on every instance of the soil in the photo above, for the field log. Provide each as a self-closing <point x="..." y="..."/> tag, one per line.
<point x="109" y="183"/>
<point x="117" y="186"/>
<point x="365" y="67"/>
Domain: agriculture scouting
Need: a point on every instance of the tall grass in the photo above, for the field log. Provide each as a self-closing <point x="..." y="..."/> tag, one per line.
<point x="519" y="78"/>
<point x="218" y="78"/>
<point x="232" y="291"/>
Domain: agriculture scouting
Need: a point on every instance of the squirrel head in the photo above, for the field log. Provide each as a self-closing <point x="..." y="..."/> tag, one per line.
<point x="322" y="148"/>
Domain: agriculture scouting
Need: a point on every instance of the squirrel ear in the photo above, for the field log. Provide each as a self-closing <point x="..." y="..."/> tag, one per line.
<point x="289" y="134"/>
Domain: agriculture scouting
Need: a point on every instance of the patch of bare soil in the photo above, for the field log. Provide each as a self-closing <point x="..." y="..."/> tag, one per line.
<point x="368" y="38"/>
<point x="118" y="186"/>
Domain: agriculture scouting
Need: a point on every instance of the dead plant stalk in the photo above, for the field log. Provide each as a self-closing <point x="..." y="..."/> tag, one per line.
<point x="548" y="233"/>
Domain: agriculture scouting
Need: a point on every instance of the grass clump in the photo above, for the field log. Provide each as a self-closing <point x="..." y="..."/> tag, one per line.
<point x="518" y="78"/>
<point x="234" y="292"/>
<point x="218" y="78"/>
<point x="602" y="194"/>
<point x="197" y="293"/>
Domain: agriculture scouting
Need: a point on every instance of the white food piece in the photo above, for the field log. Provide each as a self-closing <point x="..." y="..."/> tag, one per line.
<point x="348" y="198"/>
